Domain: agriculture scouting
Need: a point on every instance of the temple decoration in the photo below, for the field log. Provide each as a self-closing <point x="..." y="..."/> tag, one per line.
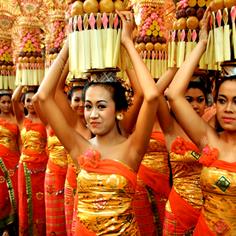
<point x="7" y="68"/>
<point x="221" y="45"/>
<point x="185" y="32"/>
<point x="94" y="36"/>
<point x="55" y="35"/>
<point x="29" y="56"/>
<point x="151" y="38"/>
<point x="28" y="42"/>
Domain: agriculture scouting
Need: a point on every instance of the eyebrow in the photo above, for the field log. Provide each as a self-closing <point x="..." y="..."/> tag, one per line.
<point x="97" y="101"/>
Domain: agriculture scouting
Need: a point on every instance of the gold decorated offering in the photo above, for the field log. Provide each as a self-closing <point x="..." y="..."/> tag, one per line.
<point x="185" y="32"/>
<point x="29" y="56"/>
<point x="7" y="67"/>
<point x="94" y="42"/>
<point x="151" y="38"/>
<point x="222" y="37"/>
<point x="55" y="35"/>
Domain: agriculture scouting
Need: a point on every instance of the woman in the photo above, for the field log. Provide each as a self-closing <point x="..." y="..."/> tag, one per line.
<point x="109" y="161"/>
<point x="183" y="207"/>
<point x="77" y="106"/>
<point x="9" y="158"/>
<point x="32" y="165"/>
<point x="218" y="146"/>
<point x="153" y="186"/>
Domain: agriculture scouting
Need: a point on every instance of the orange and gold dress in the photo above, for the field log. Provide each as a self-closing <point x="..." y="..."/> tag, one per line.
<point x="54" y="186"/>
<point x="218" y="183"/>
<point x="31" y="177"/>
<point x="185" y="200"/>
<point x="70" y="195"/>
<point x="153" y="187"/>
<point x="9" y="158"/>
<point x="105" y="192"/>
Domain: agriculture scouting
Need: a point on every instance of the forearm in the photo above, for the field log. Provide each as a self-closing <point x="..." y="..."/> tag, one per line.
<point x="144" y="77"/>
<point x="181" y="80"/>
<point x="49" y="83"/>
<point x="16" y="96"/>
<point x="166" y="79"/>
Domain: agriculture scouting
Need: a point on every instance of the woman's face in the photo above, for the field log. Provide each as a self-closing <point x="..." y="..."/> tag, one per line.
<point x="28" y="102"/>
<point x="77" y="103"/>
<point x="99" y="110"/>
<point x="5" y="104"/>
<point x="226" y="105"/>
<point x="196" y="98"/>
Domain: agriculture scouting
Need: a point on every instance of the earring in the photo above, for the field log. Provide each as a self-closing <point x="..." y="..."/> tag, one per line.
<point x="119" y="116"/>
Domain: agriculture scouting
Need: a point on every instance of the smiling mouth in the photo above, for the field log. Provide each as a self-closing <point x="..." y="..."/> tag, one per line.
<point x="228" y="120"/>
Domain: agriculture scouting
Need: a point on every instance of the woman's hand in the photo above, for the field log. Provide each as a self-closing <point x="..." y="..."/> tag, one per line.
<point x="127" y="26"/>
<point x="203" y="35"/>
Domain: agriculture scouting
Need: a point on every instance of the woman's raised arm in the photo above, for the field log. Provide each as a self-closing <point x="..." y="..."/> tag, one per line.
<point x="18" y="107"/>
<point x="141" y="135"/>
<point x="190" y="121"/>
<point x="71" y="140"/>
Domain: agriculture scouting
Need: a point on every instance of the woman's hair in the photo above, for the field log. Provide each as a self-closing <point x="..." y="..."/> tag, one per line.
<point x="30" y="89"/>
<point x="110" y="82"/>
<point x="5" y="93"/>
<point x="72" y="90"/>
<point x="202" y="83"/>
<point x="117" y="91"/>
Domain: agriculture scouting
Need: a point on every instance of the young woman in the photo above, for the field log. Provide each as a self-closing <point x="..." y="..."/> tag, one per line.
<point x="77" y="106"/>
<point x="153" y="185"/>
<point x="109" y="161"/>
<point x="218" y="177"/>
<point x="32" y="165"/>
<point x="9" y="158"/>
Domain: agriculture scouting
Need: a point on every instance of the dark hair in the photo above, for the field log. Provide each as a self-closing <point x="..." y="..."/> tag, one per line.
<point x="219" y="82"/>
<point x="201" y="83"/>
<point x="5" y="93"/>
<point x="30" y="89"/>
<point x="116" y="89"/>
<point x="72" y="90"/>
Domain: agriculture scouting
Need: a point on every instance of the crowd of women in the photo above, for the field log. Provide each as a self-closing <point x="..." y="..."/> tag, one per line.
<point x="99" y="164"/>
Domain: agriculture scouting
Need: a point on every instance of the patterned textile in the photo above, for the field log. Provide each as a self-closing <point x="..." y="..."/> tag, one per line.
<point x="54" y="187"/>
<point x="218" y="182"/>
<point x="70" y="191"/>
<point x="9" y="158"/>
<point x="105" y="192"/>
<point x="153" y="187"/>
<point x="31" y="177"/>
<point x="186" y="189"/>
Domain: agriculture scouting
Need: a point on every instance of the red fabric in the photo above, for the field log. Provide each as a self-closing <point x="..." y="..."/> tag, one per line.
<point x="143" y="210"/>
<point x="157" y="181"/>
<point x="159" y="137"/>
<point x="91" y="161"/>
<point x="209" y="158"/>
<point x="54" y="199"/>
<point x="70" y="189"/>
<point x="38" y="201"/>
<point x="202" y="227"/>
<point x="10" y="159"/>
<point x="183" y="211"/>
<point x="81" y="230"/>
<point x="180" y="146"/>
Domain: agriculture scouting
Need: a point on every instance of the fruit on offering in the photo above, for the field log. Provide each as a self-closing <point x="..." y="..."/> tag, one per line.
<point x="91" y="6"/>
<point x="106" y="6"/>
<point x="77" y="8"/>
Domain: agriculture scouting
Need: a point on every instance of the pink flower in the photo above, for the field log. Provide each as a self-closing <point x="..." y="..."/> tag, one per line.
<point x="90" y="158"/>
<point x="221" y="227"/>
<point x="209" y="155"/>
